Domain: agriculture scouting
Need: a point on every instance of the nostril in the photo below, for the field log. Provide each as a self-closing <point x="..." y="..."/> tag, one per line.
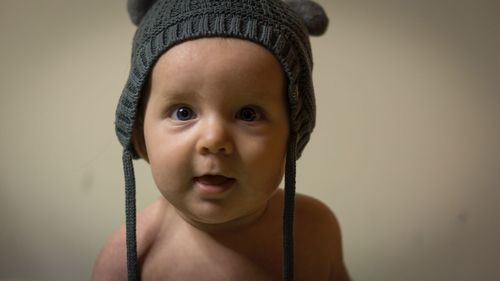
<point x="214" y="149"/>
<point x="223" y="148"/>
<point x="215" y="139"/>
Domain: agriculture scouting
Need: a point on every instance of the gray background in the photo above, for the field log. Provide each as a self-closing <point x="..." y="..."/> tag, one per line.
<point x="406" y="149"/>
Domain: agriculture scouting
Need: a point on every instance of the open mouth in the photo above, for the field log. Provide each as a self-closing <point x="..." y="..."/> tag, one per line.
<point x="214" y="183"/>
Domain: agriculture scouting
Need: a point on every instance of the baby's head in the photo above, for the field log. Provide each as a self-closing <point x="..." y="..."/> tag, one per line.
<point x="218" y="77"/>
<point x="270" y="23"/>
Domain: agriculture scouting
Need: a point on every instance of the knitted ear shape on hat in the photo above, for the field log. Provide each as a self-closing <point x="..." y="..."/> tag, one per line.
<point x="138" y="8"/>
<point x="312" y="14"/>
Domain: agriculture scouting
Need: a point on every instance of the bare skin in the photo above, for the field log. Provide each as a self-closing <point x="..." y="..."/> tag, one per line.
<point x="171" y="249"/>
<point x="215" y="133"/>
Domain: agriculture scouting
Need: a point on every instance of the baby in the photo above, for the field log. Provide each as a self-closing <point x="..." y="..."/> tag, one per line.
<point x="220" y="103"/>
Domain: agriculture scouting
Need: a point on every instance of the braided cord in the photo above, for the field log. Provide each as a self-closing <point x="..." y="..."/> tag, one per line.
<point x="128" y="169"/>
<point x="288" y="209"/>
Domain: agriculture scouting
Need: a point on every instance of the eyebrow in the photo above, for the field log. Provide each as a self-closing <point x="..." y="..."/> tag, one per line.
<point x="173" y="95"/>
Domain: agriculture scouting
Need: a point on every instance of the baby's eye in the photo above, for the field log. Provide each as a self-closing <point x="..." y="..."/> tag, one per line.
<point x="248" y="114"/>
<point x="183" y="113"/>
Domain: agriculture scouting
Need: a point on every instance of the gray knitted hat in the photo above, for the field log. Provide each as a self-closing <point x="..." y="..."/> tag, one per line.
<point x="281" y="27"/>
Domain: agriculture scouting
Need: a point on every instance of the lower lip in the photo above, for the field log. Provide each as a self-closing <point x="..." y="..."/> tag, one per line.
<point x="214" y="188"/>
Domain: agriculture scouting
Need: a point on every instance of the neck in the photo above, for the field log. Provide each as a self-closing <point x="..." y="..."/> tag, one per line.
<point x="242" y="224"/>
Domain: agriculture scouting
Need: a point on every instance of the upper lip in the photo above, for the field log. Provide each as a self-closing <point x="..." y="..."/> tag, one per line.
<point x="212" y="172"/>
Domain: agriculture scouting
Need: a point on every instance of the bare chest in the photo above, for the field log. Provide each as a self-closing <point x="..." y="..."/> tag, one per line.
<point x="211" y="262"/>
<point x="186" y="261"/>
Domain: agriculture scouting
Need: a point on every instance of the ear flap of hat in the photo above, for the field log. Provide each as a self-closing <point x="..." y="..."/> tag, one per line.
<point x="138" y="8"/>
<point x="312" y="14"/>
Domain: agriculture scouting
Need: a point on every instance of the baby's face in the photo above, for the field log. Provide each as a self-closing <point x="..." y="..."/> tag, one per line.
<point x="216" y="129"/>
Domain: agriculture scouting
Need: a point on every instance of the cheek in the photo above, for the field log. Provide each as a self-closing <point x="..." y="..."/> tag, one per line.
<point x="171" y="172"/>
<point x="278" y="154"/>
<point x="160" y="168"/>
<point x="266" y="156"/>
<point x="167" y="158"/>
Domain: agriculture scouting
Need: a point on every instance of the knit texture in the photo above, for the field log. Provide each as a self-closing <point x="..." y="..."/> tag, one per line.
<point x="288" y="210"/>
<point x="272" y="24"/>
<point x="128" y="170"/>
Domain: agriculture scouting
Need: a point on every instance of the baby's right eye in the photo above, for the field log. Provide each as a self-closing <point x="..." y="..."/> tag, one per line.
<point x="183" y="113"/>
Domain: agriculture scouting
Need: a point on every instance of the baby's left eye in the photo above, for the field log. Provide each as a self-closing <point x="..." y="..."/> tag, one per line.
<point x="248" y="114"/>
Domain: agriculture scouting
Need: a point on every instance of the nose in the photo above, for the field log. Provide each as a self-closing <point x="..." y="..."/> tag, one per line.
<point x="215" y="138"/>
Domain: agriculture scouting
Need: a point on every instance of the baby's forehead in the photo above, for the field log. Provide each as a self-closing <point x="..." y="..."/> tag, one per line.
<point x="212" y="60"/>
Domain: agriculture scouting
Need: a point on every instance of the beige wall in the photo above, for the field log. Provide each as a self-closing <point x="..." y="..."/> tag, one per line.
<point x="406" y="150"/>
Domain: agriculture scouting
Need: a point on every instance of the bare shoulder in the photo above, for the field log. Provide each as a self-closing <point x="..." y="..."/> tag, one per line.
<point x="316" y="218"/>
<point x="318" y="228"/>
<point x="111" y="263"/>
<point x="308" y="206"/>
